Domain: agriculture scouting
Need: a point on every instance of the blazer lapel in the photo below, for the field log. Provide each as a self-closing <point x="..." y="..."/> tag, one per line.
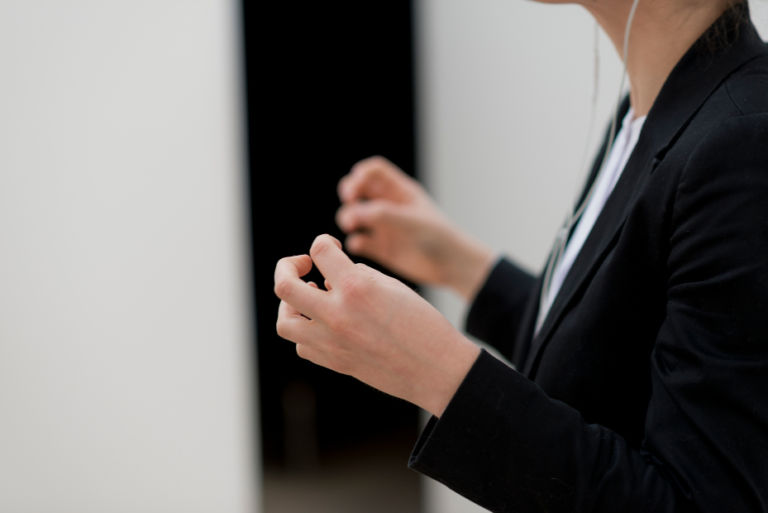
<point x="701" y="70"/>
<point x="604" y="233"/>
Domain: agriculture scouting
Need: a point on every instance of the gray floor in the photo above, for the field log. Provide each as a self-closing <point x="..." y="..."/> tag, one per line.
<point x="368" y="479"/>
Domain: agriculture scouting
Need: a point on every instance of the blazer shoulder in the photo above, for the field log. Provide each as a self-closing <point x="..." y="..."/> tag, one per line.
<point x="728" y="169"/>
<point x="746" y="87"/>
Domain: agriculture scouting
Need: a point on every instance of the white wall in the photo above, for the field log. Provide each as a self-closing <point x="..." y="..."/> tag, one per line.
<point x="124" y="286"/>
<point x="503" y="103"/>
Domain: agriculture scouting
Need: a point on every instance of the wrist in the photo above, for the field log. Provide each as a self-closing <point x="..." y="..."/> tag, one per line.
<point x="468" y="266"/>
<point x="451" y="373"/>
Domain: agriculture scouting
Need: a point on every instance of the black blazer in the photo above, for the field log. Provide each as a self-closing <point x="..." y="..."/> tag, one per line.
<point x="646" y="389"/>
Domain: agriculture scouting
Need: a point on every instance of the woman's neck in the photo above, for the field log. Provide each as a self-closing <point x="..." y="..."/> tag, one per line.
<point x="661" y="33"/>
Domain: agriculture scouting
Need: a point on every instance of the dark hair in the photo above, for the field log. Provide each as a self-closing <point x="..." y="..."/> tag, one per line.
<point x="726" y="29"/>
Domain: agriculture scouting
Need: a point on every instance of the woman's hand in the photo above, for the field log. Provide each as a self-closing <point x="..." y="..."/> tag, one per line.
<point x="370" y="326"/>
<point x="389" y="218"/>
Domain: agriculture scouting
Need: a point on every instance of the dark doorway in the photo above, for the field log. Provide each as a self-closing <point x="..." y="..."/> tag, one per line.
<point x="327" y="85"/>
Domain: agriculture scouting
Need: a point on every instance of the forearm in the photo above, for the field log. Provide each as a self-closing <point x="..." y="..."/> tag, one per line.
<point x="467" y="265"/>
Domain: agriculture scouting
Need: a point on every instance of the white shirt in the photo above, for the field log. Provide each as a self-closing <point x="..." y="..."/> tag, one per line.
<point x="604" y="183"/>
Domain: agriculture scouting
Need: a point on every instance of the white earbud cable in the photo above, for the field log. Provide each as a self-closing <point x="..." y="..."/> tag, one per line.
<point x="562" y="235"/>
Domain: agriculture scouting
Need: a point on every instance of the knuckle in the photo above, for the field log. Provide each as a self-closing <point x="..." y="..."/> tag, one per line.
<point x="281" y="326"/>
<point x="278" y="269"/>
<point x="338" y="324"/>
<point x="350" y="217"/>
<point x="378" y="161"/>
<point x="371" y="165"/>
<point x="355" y="286"/>
<point x="350" y="284"/>
<point x="283" y="288"/>
<point x="359" y="169"/>
<point x="282" y="263"/>
<point x="303" y="352"/>
<point x="366" y="276"/>
<point x="343" y="219"/>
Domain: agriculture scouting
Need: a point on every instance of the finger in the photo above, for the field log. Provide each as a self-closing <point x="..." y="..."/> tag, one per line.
<point x="345" y="189"/>
<point x="362" y="244"/>
<point x="286" y="311"/>
<point x="350" y="186"/>
<point x="375" y="177"/>
<point x="345" y="218"/>
<point x="289" y="321"/>
<point x="330" y="259"/>
<point x="314" y="286"/>
<point x="301" y="263"/>
<point x="295" y="327"/>
<point x="292" y="289"/>
<point x="363" y="215"/>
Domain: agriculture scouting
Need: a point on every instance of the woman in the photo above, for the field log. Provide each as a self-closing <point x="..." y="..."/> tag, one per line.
<point x="641" y="354"/>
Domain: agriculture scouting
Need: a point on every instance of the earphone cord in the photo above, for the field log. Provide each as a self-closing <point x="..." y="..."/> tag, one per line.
<point x="562" y="236"/>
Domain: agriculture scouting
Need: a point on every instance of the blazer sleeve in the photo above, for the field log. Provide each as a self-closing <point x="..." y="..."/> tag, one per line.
<point x="505" y="444"/>
<point x="497" y="311"/>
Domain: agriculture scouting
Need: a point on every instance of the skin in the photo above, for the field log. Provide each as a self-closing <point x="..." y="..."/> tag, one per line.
<point x="370" y="326"/>
<point x="662" y="31"/>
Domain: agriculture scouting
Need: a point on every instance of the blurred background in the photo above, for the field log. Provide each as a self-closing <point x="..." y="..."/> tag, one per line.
<point x="157" y="158"/>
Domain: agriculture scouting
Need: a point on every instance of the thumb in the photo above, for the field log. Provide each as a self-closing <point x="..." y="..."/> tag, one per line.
<point x="330" y="259"/>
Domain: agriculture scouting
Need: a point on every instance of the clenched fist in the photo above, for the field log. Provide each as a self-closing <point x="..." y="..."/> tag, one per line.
<point x="370" y="326"/>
